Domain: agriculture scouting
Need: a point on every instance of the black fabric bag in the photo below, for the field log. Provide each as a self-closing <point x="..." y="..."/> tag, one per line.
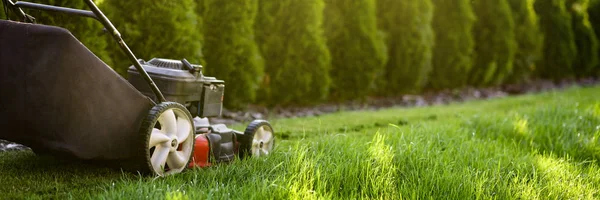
<point x="58" y="98"/>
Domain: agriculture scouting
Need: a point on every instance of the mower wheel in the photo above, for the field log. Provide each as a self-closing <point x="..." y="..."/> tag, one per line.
<point x="169" y="132"/>
<point x="258" y="139"/>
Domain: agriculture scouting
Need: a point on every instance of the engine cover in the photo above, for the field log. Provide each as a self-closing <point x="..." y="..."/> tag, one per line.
<point x="202" y="95"/>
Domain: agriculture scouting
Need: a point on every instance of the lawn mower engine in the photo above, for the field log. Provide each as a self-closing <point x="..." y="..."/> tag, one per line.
<point x="183" y="82"/>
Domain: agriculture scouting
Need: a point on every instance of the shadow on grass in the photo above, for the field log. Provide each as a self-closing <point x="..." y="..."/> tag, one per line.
<point x="25" y="176"/>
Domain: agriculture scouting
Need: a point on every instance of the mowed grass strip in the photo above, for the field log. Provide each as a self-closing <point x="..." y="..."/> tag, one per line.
<point x="543" y="146"/>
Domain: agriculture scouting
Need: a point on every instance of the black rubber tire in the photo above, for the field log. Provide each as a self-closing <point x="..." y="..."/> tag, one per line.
<point x="246" y="139"/>
<point x="146" y="129"/>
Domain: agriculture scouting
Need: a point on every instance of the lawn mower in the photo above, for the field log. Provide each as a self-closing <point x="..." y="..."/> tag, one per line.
<point x="62" y="100"/>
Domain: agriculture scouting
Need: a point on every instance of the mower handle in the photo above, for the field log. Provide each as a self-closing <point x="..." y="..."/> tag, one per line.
<point x="96" y="14"/>
<point x="36" y="6"/>
<point x="117" y="36"/>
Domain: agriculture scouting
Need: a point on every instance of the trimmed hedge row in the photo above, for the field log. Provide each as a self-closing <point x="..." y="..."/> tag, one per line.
<point x="154" y="29"/>
<point x="297" y="61"/>
<point x="560" y="50"/>
<point x="528" y="39"/>
<point x="357" y="48"/>
<point x="585" y="39"/>
<point x="410" y="41"/>
<point x="495" y="44"/>
<point x="289" y="52"/>
<point x="453" y="23"/>
<point x="2" y="14"/>
<point x="231" y="53"/>
<point x="594" y="17"/>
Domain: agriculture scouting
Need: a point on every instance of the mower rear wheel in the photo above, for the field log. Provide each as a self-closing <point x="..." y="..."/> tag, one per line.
<point x="170" y="138"/>
<point x="258" y="139"/>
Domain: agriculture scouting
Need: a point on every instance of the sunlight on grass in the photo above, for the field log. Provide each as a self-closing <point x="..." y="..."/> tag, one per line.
<point x="525" y="188"/>
<point x="382" y="172"/>
<point x="564" y="180"/>
<point x="595" y="110"/>
<point x="304" y="174"/>
<point x="520" y="125"/>
<point x="177" y="195"/>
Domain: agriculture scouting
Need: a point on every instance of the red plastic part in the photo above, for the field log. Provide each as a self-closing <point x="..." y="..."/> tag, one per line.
<point x="201" y="152"/>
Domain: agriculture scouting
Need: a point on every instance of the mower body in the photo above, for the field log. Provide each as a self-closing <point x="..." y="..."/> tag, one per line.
<point x="63" y="100"/>
<point x="214" y="143"/>
<point x="202" y="95"/>
<point x="182" y="82"/>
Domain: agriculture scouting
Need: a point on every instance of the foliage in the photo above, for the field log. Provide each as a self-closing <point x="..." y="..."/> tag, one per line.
<point x="495" y="44"/>
<point x="2" y="14"/>
<point x="586" y="41"/>
<point x="231" y="53"/>
<point x="410" y="40"/>
<point x="452" y="56"/>
<point x="297" y="61"/>
<point x="155" y="29"/>
<point x="594" y="17"/>
<point x="357" y="49"/>
<point x="200" y="8"/>
<point x="298" y="52"/>
<point x="528" y="37"/>
<point x="560" y="50"/>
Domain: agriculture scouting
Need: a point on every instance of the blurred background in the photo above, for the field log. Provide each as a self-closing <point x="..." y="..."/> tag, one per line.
<point x="306" y="52"/>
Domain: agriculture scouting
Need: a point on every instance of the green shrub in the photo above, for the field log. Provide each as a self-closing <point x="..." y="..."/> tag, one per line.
<point x="159" y="28"/>
<point x="528" y="37"/>
<point x="200" y="7"/>
<point x="2" y="14"/>
<point x="357" y="50"/>
<point x="410" y="41"/>
<point x="231" y="53"/>
<point x="297" y="61"/>
<point x="87" y="30"/>
<point x="452" y="56"/>
<point x="585" y="39"/>
<point x="495" y="44"/>
<point x="594" y="14"/>
<point x="559" y="49"/>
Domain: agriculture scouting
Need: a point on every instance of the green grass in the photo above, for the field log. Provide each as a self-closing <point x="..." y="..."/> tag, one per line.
<point x="543" y="146"/>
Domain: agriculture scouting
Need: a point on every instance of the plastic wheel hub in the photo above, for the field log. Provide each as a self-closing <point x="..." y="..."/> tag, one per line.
<point x="262" y="143"/>
<point x="171" y="138"/>
<point x="258" y="139"/>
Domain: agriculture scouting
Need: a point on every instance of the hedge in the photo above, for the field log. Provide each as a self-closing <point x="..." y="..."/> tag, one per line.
<point x="155" y="29"/>
<point x="586" y="41"/>
<point x="2" y="14"/>
<point x="495" y="44"/>
<point x="528" y="38"/>
<point x="200" y="8"/>
<point x="410" y="41"/>
<point x="452" y="55"/>
<point x="297" y="61"/>
<point x="594" y="14"/>
<point x="559" y="49"/>
<point x="230" y="49"/>
<point x="357" y="48"/>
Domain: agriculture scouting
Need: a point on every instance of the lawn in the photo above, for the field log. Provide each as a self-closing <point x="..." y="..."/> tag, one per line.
<point x="543" y="146"/>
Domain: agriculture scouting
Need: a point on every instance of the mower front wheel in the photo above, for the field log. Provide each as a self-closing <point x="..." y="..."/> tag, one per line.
<point x="169" y="132"/>
<point x="258" y="139"/>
